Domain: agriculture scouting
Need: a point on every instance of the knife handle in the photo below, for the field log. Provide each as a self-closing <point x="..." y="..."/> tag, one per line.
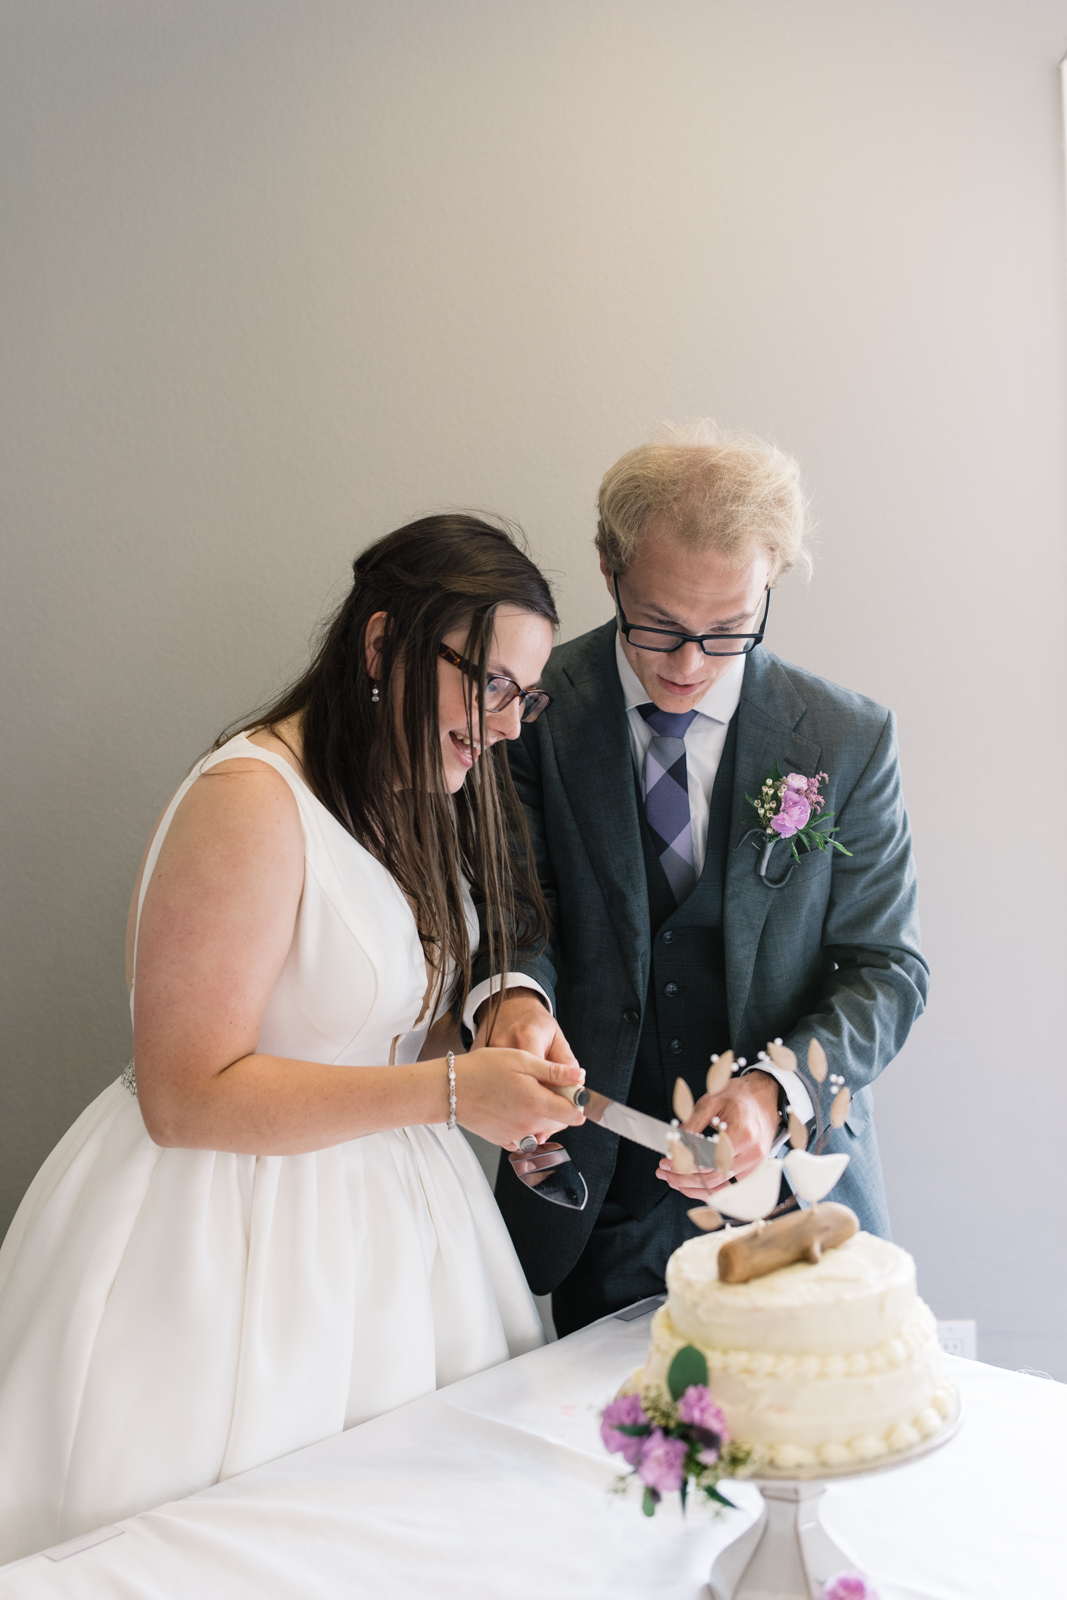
<point x="576" y="1093"/>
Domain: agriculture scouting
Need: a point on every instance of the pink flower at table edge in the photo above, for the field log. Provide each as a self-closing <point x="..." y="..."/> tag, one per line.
<point x="793" y="815"/>
<point x="662" y="1462"/>
<point x="697" y="1407"/>
<point x="627" y="1411"/>
<point x="848" y="1586"/>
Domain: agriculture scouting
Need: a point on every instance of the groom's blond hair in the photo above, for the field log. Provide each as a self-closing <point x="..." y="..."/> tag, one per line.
<point x="728" y="492"/>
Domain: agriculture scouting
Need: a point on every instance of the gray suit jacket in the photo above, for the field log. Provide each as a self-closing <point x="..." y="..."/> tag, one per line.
<point x="834" y="954"/>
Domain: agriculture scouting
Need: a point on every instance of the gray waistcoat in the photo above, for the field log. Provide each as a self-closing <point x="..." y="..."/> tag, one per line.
<point x="685" y="1014"/>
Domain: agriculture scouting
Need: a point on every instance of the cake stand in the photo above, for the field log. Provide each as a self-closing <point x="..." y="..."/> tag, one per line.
<point x="787" y="1553"/>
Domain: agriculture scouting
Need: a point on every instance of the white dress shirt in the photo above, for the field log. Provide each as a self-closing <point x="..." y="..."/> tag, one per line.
<point x="704" y="743"/>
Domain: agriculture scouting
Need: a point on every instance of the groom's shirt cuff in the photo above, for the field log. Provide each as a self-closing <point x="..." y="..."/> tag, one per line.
<point x="482" y="991"/>
<point x="797" y="1098"/>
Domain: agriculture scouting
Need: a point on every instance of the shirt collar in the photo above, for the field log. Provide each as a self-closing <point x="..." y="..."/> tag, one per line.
<point x="720" y="702"/>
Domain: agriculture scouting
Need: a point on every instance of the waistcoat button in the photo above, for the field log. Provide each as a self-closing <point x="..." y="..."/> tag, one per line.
<point x="671" y="989"/>
<point x="676" y="1045"/>
<point x="668" y="937"/>
<point x="632" y="1017"/>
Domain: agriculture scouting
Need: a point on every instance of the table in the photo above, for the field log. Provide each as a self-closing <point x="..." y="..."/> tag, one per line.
<point x="497" y="1488"/>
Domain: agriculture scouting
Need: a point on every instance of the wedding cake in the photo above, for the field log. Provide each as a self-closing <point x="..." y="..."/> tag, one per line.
<point x="825" y="1363"/>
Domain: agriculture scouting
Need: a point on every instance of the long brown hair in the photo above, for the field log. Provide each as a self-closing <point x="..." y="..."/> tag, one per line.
<point x="381" y="774"/>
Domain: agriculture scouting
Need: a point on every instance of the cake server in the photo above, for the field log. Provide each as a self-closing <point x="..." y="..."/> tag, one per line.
<point x="548" y="1170"/>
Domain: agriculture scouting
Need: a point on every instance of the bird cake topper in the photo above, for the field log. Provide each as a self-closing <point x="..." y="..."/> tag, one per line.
<point x="794" y="1234"/>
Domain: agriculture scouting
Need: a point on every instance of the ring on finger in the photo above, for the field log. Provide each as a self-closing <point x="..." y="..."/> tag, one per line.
<point x="527" y="1145"/>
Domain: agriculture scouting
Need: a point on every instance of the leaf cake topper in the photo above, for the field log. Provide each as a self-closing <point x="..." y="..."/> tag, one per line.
<point x="811" y="1174"/>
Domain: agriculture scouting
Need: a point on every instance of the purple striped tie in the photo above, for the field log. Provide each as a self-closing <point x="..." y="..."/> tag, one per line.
<point x="665" y="787"/>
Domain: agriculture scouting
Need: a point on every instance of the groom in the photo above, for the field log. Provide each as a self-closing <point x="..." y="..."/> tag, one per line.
<point x="667" y="944"/>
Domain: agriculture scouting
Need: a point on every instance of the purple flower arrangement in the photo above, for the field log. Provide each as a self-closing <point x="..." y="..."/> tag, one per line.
<point x="790" y="806"/>
<point x="676" y="1441"/>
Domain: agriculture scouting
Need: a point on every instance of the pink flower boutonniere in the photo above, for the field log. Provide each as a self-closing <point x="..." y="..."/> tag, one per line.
<point x="791" y="807"/>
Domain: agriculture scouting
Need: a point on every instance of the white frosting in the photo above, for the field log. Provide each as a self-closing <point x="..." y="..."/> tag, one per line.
<point x="858" y="1296"/>
<point x="898" y="1351"/>
<point x="829" y="1363"/>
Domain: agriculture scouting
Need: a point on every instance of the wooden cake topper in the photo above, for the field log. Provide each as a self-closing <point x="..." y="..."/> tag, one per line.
<point x="800" y="1236"/>
<point x="795" y="1236"/>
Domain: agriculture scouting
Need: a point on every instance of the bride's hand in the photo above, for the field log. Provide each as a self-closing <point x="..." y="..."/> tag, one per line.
<point x="506" y="1095"/>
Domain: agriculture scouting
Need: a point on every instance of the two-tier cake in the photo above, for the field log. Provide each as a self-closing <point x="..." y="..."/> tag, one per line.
<point x="825" y="1363"/>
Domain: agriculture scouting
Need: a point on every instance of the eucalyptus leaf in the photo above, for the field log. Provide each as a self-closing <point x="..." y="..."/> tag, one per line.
<point x="688" y="1368"/>
<point x="713" y="1494"/>
<point x="648" y="1502"/>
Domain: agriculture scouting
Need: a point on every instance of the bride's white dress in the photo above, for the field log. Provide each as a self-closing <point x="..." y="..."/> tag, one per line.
<point x="172" y="1317"/>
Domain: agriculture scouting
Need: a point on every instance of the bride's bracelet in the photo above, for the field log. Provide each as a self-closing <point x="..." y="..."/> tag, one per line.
<point x="450" y="1058"/>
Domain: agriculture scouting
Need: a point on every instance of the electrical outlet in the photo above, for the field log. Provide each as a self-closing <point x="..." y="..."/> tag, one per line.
<point x="959" y="1339"/>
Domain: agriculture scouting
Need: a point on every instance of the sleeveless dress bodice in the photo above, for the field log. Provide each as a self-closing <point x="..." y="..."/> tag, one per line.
<point x="172" y="1317"/>
<point x="352" y="986"/>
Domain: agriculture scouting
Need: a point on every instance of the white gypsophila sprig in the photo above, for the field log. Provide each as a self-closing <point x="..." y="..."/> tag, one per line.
<point x="790" y="806"/>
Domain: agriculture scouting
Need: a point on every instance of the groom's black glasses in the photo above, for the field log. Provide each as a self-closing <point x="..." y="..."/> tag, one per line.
<point x="500" y="691"/>
<point x="666" y="640"/>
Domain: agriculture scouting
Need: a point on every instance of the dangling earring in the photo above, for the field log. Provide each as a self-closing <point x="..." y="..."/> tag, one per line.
<point x="374" y="695"/>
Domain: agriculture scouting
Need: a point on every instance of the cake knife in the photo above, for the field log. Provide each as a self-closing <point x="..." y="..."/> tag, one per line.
<point x="538" y="1166"/>
<point x="640" y="1128"/>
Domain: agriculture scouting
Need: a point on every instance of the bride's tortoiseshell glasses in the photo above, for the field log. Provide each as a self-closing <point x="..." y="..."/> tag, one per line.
<point x="499" y="690"/>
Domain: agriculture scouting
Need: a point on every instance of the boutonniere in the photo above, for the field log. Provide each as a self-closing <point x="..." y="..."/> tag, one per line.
<point x="789" y="806"/>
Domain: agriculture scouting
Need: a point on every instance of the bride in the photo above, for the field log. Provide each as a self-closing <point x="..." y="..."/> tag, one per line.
<point x="273" y="1229"/>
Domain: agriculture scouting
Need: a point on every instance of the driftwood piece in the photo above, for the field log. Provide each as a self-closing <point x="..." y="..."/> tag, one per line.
<point x="800" y="1236"/>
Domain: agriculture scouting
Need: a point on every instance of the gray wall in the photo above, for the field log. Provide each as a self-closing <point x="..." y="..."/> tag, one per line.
<point x="278" y="276"/>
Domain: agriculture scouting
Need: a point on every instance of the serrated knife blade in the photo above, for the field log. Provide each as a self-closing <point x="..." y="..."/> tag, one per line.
<point x="640" y="1128"/>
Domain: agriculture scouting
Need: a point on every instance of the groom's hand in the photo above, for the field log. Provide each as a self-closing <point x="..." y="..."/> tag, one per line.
<point x="524" y="1022"/>
<point x="749" y="1108"/>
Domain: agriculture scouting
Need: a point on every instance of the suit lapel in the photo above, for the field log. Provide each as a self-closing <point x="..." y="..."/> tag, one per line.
<point x="768" y="714"/>
<point x="590" y="736"/>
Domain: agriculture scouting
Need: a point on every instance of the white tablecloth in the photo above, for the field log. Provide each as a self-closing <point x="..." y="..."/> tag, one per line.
<point x="498" y="1488"/>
